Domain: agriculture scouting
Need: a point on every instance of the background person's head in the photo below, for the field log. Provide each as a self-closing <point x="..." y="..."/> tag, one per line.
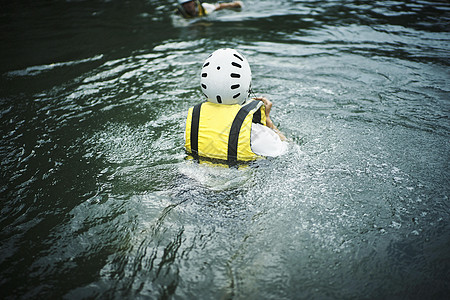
<point x="189" y="7"/>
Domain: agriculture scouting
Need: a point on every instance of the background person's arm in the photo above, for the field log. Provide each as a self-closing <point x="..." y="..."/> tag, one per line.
<point x="235" y="4"/>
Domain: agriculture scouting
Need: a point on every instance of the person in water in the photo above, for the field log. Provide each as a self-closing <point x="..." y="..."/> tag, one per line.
<point x="228" y="126"/>
<point x="194" y="8"/>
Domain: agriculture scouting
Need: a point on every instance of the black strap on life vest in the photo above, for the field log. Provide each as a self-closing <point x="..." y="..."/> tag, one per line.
<point x="257" y="117"/>
<point x="194" y="129"/>
<point x="236" y="128"/>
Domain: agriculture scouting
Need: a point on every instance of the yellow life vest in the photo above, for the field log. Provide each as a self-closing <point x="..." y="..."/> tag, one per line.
<point x="221" y="131"/>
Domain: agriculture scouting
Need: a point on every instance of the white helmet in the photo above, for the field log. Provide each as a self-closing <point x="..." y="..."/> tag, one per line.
<point x="183" y="1"/>
<point x="226" y="77"/>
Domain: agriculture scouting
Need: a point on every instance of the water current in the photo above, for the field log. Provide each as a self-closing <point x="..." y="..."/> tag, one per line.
<point x="98" y="200"/>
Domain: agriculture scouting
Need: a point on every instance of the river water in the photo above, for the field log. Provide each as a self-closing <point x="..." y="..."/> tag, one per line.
<point x="98" y="201"/>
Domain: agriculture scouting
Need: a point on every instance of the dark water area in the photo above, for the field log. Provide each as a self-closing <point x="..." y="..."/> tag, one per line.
<point x="98" y="201"/>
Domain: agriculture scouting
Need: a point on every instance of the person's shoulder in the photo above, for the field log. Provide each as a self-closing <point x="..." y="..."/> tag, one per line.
<point x="264" y="141"/>
<point x="260" y="131"/>
<point x="208" y="7"/>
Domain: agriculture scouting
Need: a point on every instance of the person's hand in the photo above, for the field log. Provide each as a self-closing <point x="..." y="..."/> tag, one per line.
<point x="269" y="123"/>
<point x="267" y="104"/>
<point x="239" y="4"/>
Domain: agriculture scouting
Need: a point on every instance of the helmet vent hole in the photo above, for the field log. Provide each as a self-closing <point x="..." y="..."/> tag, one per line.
<point x="204" y="74"/>
<point x="235" y="75"/>
<point x="204" y="86"/>
<point x="236" y="65"/>
<point x="240" y="58"/>
<point x="205" y="65"/>
<point x="219" y="100"/>
<point x="235" y="86"/>
<point x="237" y="95"/>
<point x="218" y="68"/>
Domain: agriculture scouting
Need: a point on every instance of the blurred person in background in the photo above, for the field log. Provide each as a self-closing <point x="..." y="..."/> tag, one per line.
<point x="195" y="8"/>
